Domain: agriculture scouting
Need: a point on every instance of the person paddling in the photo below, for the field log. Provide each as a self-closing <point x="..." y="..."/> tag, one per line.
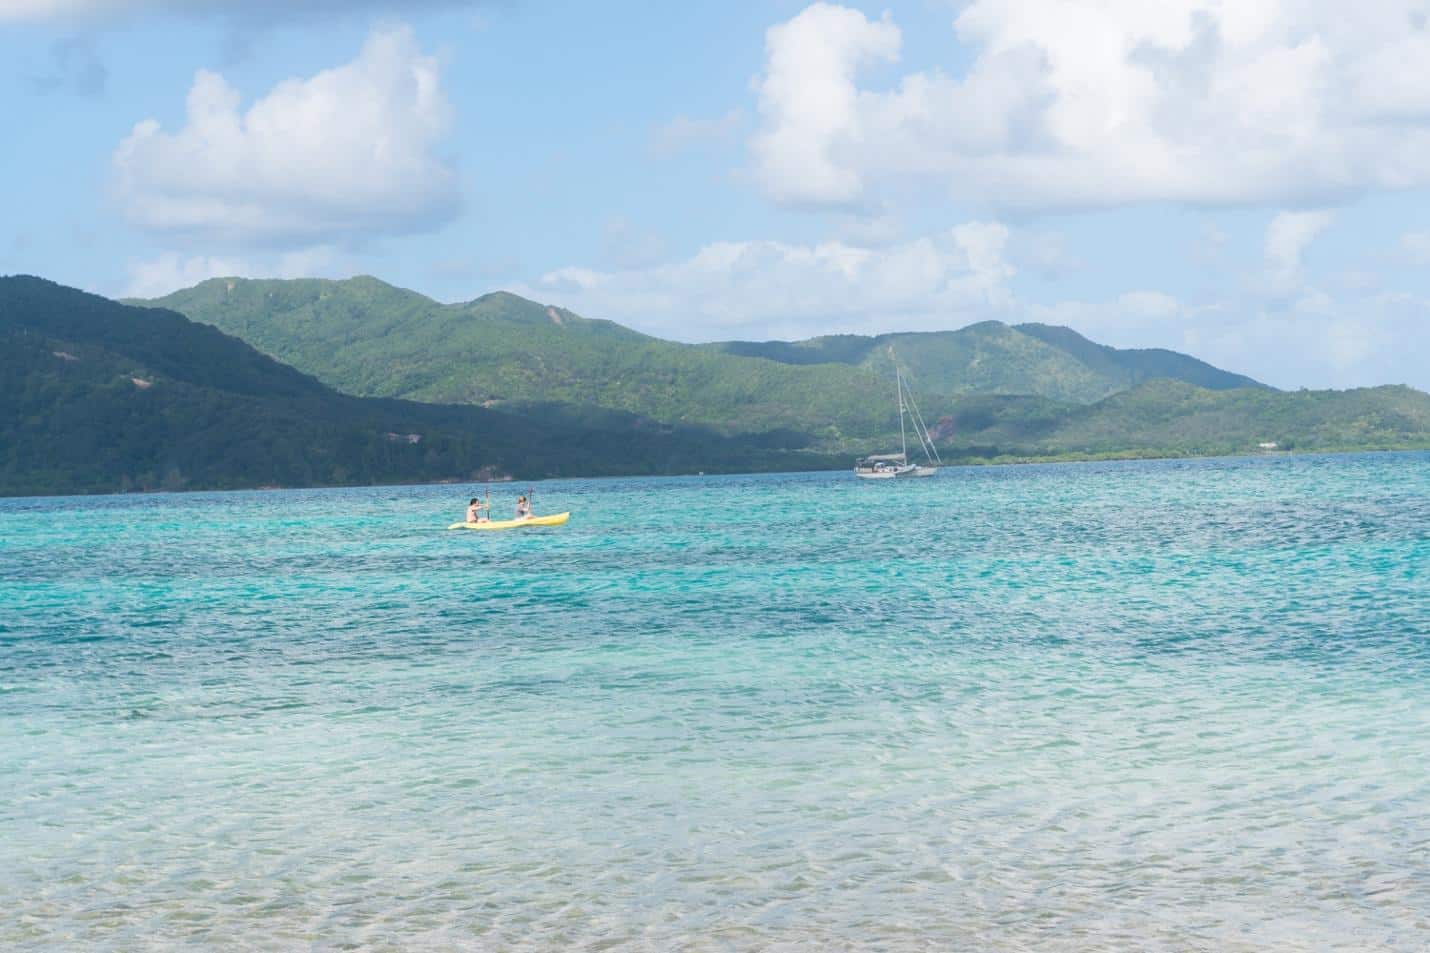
<point x="474" y="511"/>
<point x="523" y="508"/>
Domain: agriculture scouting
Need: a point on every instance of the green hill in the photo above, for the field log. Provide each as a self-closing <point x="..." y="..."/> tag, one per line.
<point x="1135" y="365"/>
<point x="994" y="358"/>
<point x="1172" y="418"/>
<point x="1180" y="417"/>
<point x="98" y="396"/>
<point x="364" y="337"/>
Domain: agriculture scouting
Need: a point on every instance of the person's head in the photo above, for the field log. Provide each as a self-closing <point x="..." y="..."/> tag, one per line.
<point x="473" y="502"/>
<point x="521" y="499"/>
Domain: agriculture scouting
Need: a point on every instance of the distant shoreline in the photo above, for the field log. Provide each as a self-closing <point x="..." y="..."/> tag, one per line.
<point x="956" y="463"/>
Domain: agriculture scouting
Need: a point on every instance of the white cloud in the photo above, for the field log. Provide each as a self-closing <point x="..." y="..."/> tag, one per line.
<point x="764" y="289"/>
<point x="343" y="155"/>
<point x="171" y="271"/>
<point x="1142" y="318"/>
<point x="1095" y="103"/>
<point x="1287" y="238"/>
<point x="1361" y="343"/>
<point x="1312" y="340"/>
<point x="768" y="288"/>
<point x="808" y="100"/>
<point x="683" y="132"/>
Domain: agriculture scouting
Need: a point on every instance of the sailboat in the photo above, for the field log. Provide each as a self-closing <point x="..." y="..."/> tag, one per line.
<point x="896" y="466"/>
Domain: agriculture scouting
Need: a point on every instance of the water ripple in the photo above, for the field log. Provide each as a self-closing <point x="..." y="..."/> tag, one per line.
<point x="1175" y="705"/>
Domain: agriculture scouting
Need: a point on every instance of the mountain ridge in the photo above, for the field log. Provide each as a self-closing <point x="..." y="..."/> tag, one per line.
<point x="97" y="396"/>
<point x="366" y="337"/>
<point x="1137" y="364"/>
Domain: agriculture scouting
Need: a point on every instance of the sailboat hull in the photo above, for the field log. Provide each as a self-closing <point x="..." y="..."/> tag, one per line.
<point x="900" y="473"/>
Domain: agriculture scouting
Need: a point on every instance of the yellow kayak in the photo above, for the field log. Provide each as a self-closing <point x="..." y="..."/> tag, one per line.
<point x="555" y="519"/>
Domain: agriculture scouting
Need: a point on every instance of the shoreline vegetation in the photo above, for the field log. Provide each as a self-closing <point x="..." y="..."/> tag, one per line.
<point x="960" y="464"/>
<point x="102" y="397"/>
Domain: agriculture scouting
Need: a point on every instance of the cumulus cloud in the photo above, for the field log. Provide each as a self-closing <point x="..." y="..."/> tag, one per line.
<point x="170" y="271"/>
<point x="1095" y="103"/>
<point x="809" y="101"/>
<point x="1377" y="340"/>
<point x="762" y="288"/>
<point x="1143" y="318"/>
<point x="1311" y="341"/>
<point x="346" y="154"/>
<point x="1287" y="238"/>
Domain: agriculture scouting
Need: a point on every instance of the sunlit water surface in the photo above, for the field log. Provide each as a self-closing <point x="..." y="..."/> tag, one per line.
<point x="1171" y="705"/>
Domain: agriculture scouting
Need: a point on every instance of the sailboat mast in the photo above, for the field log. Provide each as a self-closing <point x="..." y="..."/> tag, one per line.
<point x="903" y="440"/>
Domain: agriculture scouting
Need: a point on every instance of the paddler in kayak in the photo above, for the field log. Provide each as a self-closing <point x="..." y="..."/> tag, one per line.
<point x="475" y="512"/>
<point x="523" y="508"/>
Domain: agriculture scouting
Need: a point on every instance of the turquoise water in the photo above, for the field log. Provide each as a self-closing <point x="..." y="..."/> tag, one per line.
<point x="1167" y="705"/>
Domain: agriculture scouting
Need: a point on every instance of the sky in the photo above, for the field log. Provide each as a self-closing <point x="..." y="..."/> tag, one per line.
<point x="1247" y="181"/>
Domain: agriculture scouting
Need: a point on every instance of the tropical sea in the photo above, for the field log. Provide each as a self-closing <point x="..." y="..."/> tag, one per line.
<point x="1141" y="705"/>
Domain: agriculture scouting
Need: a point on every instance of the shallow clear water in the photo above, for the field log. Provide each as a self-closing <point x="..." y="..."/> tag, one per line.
<point x="1169" y="705"/>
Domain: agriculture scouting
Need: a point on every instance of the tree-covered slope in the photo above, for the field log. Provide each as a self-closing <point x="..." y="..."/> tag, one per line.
<point x="984" y="358"/>
<point x="1137" y="364"/>
<point x="1181" y="417"/>
<point x="365" y="337"/>
<point x="994" y="358"/>
<point x="1163" y="417"/>
<point x="97" y="396"/>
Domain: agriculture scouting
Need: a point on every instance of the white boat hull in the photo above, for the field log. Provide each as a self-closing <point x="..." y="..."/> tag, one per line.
<point x="899" y="473"/>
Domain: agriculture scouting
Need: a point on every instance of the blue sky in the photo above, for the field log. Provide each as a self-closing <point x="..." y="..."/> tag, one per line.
<point x="1248" y="181"/>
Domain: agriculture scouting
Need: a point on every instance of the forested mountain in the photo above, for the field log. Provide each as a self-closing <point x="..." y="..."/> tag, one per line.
<point x="98" y="396"/>
<point x="995" y="358"/>
<point x="365" y="337"/>
<point x="368" y="338"/>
